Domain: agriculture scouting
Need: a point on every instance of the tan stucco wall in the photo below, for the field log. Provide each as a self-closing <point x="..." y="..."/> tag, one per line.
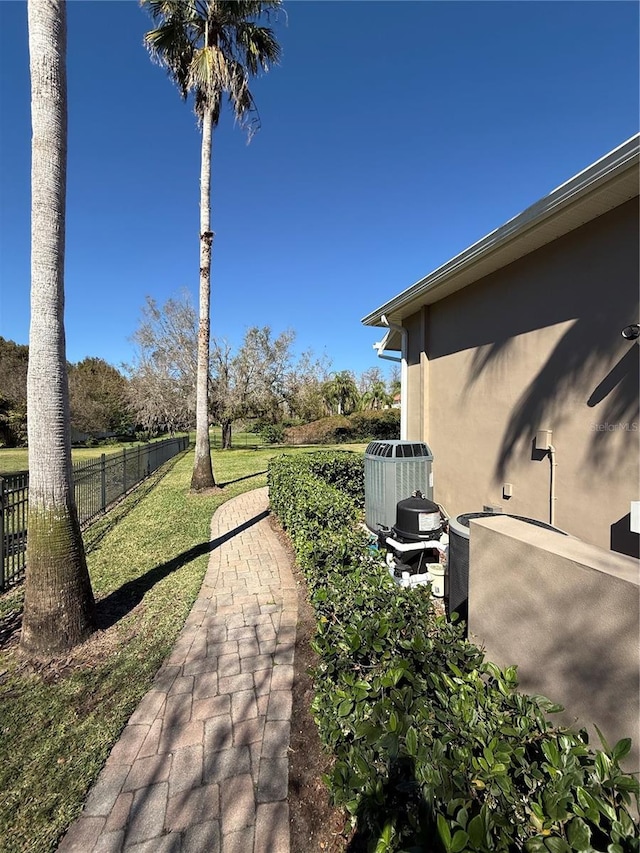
<point x="538" y="345"/>
<point x="417" y="374"/>
<point x="568" y="614"/>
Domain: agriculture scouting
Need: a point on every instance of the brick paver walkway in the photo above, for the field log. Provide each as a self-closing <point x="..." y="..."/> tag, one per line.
<point x="202" y="766"/>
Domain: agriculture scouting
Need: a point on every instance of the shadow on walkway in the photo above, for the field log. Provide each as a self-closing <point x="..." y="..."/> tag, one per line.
<point x="121" y="601"/>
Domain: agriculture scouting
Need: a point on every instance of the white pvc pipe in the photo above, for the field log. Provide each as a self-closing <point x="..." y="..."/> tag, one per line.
<point x="423" y="545"/>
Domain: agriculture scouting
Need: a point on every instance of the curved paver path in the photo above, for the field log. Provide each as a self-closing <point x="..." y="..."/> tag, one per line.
<point x="202" y="764"/>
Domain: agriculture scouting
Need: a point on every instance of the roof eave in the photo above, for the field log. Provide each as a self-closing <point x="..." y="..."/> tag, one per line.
<point x="617" y="167"/>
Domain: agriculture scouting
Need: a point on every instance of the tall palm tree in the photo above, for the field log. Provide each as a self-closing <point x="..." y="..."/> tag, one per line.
<point x="59" y="609"/>
<point x="211" y="48"/>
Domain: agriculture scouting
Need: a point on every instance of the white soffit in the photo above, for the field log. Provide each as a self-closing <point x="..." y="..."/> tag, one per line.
<point x="606" y="184"/>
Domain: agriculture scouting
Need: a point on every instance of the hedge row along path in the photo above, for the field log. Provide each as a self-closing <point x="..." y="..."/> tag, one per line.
<point x="202" y="764"/>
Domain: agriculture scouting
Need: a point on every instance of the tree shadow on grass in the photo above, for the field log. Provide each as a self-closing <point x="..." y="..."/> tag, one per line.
<point x="240" y="479"/>
<point x="10" y="624"/>
<point x="123" y="600"/>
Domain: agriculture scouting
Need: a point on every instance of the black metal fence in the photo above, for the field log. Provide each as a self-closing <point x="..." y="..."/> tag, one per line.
<point x="98" y="483"/>
<point x="14" y="489"/>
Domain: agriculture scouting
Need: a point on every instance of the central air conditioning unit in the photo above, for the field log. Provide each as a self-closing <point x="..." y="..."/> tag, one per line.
<point x="393" y="471"/>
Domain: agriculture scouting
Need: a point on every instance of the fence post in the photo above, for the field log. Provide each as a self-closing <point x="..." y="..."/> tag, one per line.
<point x="103" y="483"/>
<point x="3" y="504"/>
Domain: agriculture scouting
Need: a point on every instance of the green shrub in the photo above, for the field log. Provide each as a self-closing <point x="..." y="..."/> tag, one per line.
<point x="343" y="470"/>
<point x="360" y="426"/>
<point x="305" y="504"/>
<point x="330" y="430"/>
<point x="435" y="749"/>
<point x="272" y="434"/>
<point x="384" y="424"/>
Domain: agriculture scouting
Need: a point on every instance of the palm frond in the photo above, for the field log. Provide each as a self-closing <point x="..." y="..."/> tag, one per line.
<point x="212" y="48"/>
<point x="258" y="46"/>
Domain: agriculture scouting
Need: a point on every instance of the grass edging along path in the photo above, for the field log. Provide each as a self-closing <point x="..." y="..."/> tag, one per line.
<point x="58" y="723"/>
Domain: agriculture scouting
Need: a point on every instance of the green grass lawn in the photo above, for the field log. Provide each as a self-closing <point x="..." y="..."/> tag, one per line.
<point x="17" y="458"/>
<point x="58" y="723"/>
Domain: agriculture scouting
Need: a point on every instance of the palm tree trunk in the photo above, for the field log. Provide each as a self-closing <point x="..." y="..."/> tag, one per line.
<point x="59" y="609"/>
<point x="202" y="477"/>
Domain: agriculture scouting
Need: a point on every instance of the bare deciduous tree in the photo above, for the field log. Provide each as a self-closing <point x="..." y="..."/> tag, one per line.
<point x="162" y="377"/>
<point x="252" y="383"/>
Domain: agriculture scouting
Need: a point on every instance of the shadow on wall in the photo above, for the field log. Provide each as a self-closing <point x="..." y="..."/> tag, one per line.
<point x="572" y="369"/>
<point x="587" y="280"/>
<point x="594" y="651"/>
<point x="619" y="389"/>
<point x="573" y="366"/>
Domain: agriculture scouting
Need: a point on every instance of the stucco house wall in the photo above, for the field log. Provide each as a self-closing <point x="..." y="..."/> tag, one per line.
<point x="522" y="332"/>
<point x="537" y="345"/>
<point x="567" y="613"/>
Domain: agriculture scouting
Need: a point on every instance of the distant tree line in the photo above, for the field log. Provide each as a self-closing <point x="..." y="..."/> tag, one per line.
<point x="98" y="395"/>
<point x="260" y="383"/>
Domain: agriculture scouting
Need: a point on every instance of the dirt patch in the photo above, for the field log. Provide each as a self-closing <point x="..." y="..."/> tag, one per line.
<point x="101" y="645"/>
<point x="316" y="826"/>
<point x="209" y="492"/>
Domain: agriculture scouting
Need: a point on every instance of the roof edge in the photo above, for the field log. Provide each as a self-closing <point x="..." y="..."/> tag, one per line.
<point x="608" y="167"/>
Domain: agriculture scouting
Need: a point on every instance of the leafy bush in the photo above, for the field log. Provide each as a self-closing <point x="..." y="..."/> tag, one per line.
<point x="310" y="506"/>
<point x="384" y="424"/>
<point x="360" y="426"/>
<point x="435" y="749"/>
<point x="272" y="434"/>
<point x="330" y="430"/>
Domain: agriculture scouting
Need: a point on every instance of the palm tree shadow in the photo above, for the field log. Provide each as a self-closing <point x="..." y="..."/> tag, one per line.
<point x="240" y="479"/>
<point x="123" y="600"/>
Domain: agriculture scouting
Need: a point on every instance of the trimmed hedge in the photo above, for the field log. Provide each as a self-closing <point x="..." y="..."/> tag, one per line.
<point x="435" y="749"/>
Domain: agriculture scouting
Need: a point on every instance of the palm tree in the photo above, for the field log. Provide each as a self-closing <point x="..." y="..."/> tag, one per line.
<point x="59" y="609"/>
<point x="342" y="391"/>
<point x="211" y="48"/>
<point x="376" y="397"/>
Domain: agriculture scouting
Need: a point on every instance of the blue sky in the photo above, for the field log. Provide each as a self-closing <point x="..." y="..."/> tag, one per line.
<point x="394" y="135"/>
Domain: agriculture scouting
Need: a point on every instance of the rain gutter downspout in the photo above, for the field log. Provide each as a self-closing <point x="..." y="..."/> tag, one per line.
<point x="403" y="370"/>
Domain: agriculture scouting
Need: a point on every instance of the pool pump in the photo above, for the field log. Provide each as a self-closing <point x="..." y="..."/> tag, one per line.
<point x="417" y="544"/>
